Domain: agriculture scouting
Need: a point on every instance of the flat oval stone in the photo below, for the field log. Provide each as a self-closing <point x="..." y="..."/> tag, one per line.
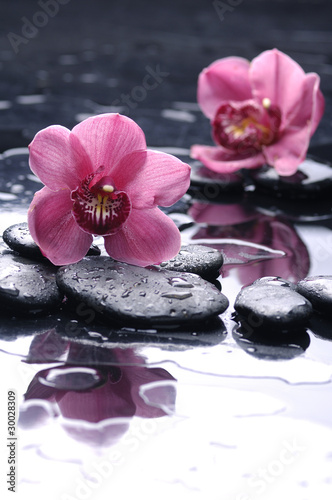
<point x="318" y="290"/>
<point x="274" y="306"/>
<point x="210" y="185"/>
<point x="18" y="238"/>
<point x="27" y="286"/>
<point x="313" y="179"/>
<point x="140" y="295"/>
<point x="198" y="259"/>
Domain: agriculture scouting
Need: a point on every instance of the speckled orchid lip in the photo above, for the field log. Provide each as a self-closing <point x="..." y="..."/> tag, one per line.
<point x="99" y="208"/>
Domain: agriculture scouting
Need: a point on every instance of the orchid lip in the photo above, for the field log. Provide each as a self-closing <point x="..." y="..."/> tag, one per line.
<point x="100" y="209"/>
<point x="246" y="126"/>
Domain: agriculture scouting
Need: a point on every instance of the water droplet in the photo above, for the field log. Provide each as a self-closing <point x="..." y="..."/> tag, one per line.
<point x="177" y="295"/>
<point x="179" y="282"/>
<point x="9" y="289"/>
<point x="142" y="294"/>
<point x="126" y="294"/>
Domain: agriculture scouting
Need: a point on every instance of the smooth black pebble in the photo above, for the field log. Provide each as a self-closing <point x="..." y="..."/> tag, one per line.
<point x="198" y="259"/>
<point x="318" y="290"/>
<point x="18" y="238"/>
<point x="279" y="307"/>
<point x="27" y="286"/>
<point x="144" y="296"/>
<point x="313" y="179"/>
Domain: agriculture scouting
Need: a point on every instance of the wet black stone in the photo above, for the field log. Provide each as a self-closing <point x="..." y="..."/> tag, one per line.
<point x="27" y="287"/>
<point x="318" y="290"/>
<point x="18" y="238"/>
<point x="198" y="259"/>
<point x="278" y="307"/>
<point x="211" y="186"/>
<point x="313" y="179"/>
<point x="275" y="281"/>
<point x="143" y="296"/>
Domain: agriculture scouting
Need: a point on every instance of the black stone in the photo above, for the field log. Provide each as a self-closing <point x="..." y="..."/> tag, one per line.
<point x="18" y="238"/>
<point x="318" y="290"/>
<point x="143" y="296"/>
<point x="278" y="307"/>
<point x="313" y="179"/>
<point x="198" y="259"/>
<point x="275" y="281"/>
<point x="211" y="186"/>
<point x="27" y="286"/>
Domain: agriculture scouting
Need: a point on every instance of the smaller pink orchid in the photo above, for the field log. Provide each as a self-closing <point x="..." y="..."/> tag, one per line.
<point x="101" y="180"/>
<point x="263" y="112"/>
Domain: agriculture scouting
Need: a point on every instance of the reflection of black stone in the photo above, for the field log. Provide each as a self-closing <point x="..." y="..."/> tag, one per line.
<point x="313" y="179"/>
<point x="277" y="307"/>
<point x="267" y="344"/>
<point x="317" y="289"/>
<point x="81" y="324"/>
<point x="18" y="238"/>
<point x="321" y="326"/>
<point x="140" y="295"/>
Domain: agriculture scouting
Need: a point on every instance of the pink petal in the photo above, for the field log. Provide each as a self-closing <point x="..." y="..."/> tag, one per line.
<point x="108" y="137"/>
<point x="309" y="105"/>
<point x="224" y="80"/>
<point x="53" y="227"/>
<point x="276" y="76"/>
<point x="319" y="105"/>
<point x="148" y="237"/>
<point x="152" y="178"/>
<point x="225" y="161"/>
<point x="56" y="159"/>
<point x="290" y="150"/>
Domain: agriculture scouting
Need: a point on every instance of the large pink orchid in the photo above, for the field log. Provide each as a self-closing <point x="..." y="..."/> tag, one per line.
<point x="261" y="112"/>
<point x="101" y="180"/>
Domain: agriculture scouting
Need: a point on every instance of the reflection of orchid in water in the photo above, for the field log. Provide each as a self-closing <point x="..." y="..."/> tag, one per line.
<point x="97" y="389"/>
<point x="258" y="245"/>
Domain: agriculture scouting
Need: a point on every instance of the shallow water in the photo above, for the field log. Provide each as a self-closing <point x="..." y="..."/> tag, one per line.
<point x="206" y="412"/>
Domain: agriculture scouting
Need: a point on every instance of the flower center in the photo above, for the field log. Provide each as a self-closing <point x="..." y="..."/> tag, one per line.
<point x="98" y="207"/>
<point x="246" y="126"/>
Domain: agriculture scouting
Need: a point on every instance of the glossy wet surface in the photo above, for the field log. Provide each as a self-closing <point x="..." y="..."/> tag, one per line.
<point x="210" y="411"/>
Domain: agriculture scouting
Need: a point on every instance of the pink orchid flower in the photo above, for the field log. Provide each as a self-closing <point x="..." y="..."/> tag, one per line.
<point x="101" y="180"/>
<point x="263" y="112"/>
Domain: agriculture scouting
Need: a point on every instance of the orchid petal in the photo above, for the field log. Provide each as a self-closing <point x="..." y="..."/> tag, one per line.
<point x="148" y="237"/>
<point x="277" y="77"/>
<point x="57" y="160"/>
<point x="225" y="161"/>
<point x="224" y="80"/>
<point x="108" y="137"/>
<point x="290" y="150"/>
<point x="152" y="178"/>
<point x="53" y="227"/>
<point x="309" y="105"/>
